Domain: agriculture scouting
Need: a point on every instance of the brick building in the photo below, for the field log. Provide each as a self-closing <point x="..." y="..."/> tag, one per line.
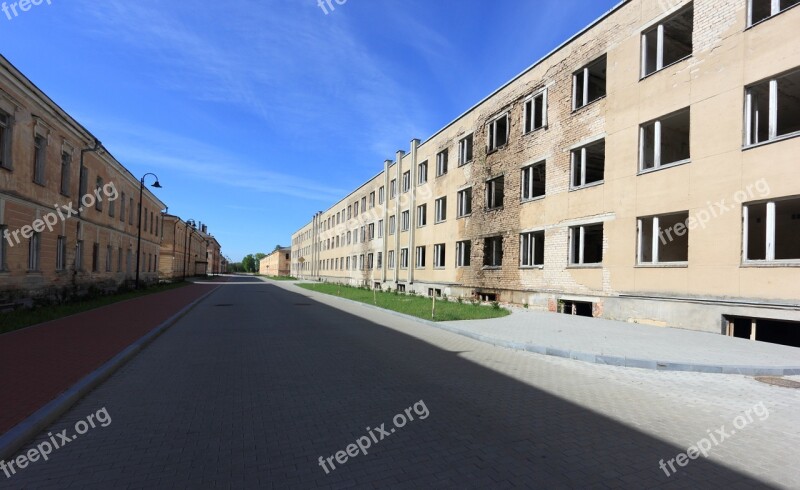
<point x="187" y="250"/>
<point x="277" y="263"/>
<point x="645" y="171"/>
<point x="68" y="208"/>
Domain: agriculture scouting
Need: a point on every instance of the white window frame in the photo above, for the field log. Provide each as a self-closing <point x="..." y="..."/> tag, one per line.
<point x="530" y="169"/>
<point x="439" y="256"/>
<point x="422" y="215"/>
<point x="442" y="162"/>
<point x="659" y="45"/>
<point x="406" y="181"/>
<point x="657" y="139"/>
<point x="405" y="220"/>
<point x="34" y="252"/>
<point x="655" y="240"/>
<point x="463" y="259"/>
<point x="465" y="143"/>
<point x="772" y="117"/>
<point x="491" y="192"/>
<point x="579" y="233"/>
<point x="528" y="120"/>
<point x="491" y="132"/>
<point x="493" y="239"/>
<point x="422" y="173"/>
<point x="464" y="199"/>
<point x="771" y="230"/>
<point x="440" y="210"/>
<point x="775" y="9"/>
<point x="529" y="243"/>
<point x="584" y="90"/>
<point x="390" y="259"/>
<point x="380" y="228"/>
<point x="419" y="257"/>
<point x="583" y="152"/>
<point x="392" y="224"/>
<point x="404" y="258"/>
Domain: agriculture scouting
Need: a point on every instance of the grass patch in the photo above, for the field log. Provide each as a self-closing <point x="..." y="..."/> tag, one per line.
<point x="281" y="278"/>
<point x="418" y="306"/>
<point x="19" y="319"/>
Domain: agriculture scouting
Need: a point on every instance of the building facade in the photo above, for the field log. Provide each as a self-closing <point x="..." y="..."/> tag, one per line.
<point x="69" y="210"/>
<point x="643" y="171"/>
<point x="186" y="249"/>
<point x="277" y="263"/>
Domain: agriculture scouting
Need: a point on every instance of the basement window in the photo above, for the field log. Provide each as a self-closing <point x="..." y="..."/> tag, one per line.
<point x="586" y="244"/>
<point x="764" y="330"/>
<point x="772" y="109"/>
<point x="578" y="308"/>
<point x="533" y="181"/>
<point x="667" y="43"/>
<point x="763" y="9"/>
<point x="536" y="111"/>
<point x="493" y="252"/>
<point x="664" y="141"/>
<point x="663" y="239"/>
<point x="772" y="231"/>
<point x="588" y="164"/>
<point x="495" y="193"/>
<point x="589" y="83"/>
<point x="531" y="249"/>
<point x="498" y="130"/>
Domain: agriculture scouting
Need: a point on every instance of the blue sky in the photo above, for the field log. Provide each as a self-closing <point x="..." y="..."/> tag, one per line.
<point x="256" y="114"/>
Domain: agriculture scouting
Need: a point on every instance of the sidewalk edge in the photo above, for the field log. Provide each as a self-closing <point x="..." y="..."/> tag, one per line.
<point x="25" y="431"/>
<point x="593" y="358"/>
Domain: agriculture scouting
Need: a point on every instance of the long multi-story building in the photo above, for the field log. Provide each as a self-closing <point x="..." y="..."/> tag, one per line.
<point x="69" y="210"/>
<point x="645" y="170"/>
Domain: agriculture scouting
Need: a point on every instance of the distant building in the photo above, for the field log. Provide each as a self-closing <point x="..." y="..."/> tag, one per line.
<point x="187" y="250"/>
<point x="278" y="263"/>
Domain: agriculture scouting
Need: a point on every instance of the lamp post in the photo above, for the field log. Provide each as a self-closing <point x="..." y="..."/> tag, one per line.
<point x="139" y="226"/>
<point x="189" y="222"/>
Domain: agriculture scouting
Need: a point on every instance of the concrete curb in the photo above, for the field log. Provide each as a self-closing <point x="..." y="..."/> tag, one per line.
<point x="25" y="431"/>
<point x="594" y="358"/>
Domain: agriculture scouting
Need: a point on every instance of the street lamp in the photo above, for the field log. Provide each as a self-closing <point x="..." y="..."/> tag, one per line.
<point x="186" y="245"/>
<point x="139" y="227"/>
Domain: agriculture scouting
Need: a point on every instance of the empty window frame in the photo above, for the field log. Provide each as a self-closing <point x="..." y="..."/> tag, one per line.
<point x="422" y="215"/>
<point x="390" y="259"/>
<point x="392" y="224"/>
<point x="441" y="163"/>
<point x="439" y="256"/>
<point x="98" y="205"/>
<point x="665" y="141"/>
<point x="372" y="199"/>
<point x="364" y="204"/>
<point x="96" y="257"/>
<point x="381" y="195"/>
<point x="463" y="251"/>
<point x="589" y="83"/>
<point x="493" y="251"/>
<point x="404" y="258"/>
<point x="772" y="230"/>
<point x="759" y="10"/>
<point x="588" y="164"/>
<point x="535" y="109"/>
<point x="406" y="181"/>
<point x="349" y="211"/>
<point x="495" y="192"/>
<point x="497" y="132"/>
<point x="663" y="239"/>
<point x="531" y="249"/>
<point x="420" y="257"/>
<point x="79" y="256"/>
<point x="380" y="228"/>
<point x="66" y="169"/>
<point x="39" y="159"/>
<point x="392" y="190"/>
<point x="465" y="150"/>
<point x="34" y="251"/>
<point x="109" y="256"/>
<point x="5" y="141"/>
<point x="772" y="108"/>
<point x="61" y="253"/>
<point x="370" y="261"/>
<point x="405" y="220"/>
<point x="668" y="42"/>
<point x="533" y="181"/>
<point x="422" y="173"/>
<point x="355" y="209"/>
<point x="464" y="198"/>
<point x="379" y="263"/>
<point x="371" y="231"/>
<point x="586" y="244"/>
<point x="440" y="210"/>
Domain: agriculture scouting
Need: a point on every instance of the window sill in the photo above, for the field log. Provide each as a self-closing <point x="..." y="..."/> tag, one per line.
<point x="532" y="199"/>
<point x="464" y="216"/>
<point x="769" y="142"/>
<point x="492" y="267"/>
<point x="771" y="263"/>
<point x="495" y="150"/>
<point x="440" y="222"/>
<point x="3" y="167"/>
<point x="585" y="266"/>
<point x="464" y="164"/>
<point x="578" y="109"/>
<point x="439" y="268"/>
<point x="664" y="167"/>
<point x="489" y="210"/>
<point x="535" y="130"/>
<point x="645" y="77"/>
<point x="587" y="186"/>
<point x="663" y="265"/>
<point x="531" y="267"/>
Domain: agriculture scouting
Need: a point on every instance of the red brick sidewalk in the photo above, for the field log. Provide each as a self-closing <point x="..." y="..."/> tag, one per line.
<point x="41" y="362"/>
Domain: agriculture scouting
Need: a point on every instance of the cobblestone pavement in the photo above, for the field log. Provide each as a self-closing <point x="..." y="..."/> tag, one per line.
<point x="259" y="381"/>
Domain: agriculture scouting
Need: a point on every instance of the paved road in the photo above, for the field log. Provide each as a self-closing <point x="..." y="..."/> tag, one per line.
<point x="260" y="380"/>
